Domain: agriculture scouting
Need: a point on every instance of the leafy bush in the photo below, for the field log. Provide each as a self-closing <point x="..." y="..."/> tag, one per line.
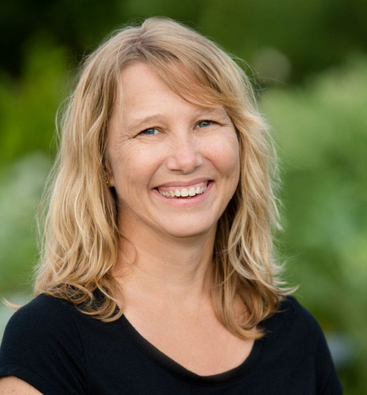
<point x="321" y="131"/>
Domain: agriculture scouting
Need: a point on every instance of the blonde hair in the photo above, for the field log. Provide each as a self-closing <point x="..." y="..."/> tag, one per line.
<point x="81" y="232"/>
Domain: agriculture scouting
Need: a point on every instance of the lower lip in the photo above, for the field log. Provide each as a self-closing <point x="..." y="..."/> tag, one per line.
<point x="186" y="202"/>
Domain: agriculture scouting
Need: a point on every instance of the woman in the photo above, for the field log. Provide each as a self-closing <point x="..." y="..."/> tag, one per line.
<point x="158" y="275"/>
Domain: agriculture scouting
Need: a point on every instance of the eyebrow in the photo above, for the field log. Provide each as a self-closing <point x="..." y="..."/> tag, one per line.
<point x="140" y="122"/>
<point x="214" y="111"/>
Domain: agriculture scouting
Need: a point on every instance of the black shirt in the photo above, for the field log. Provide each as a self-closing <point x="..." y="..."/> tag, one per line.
<point x="60" y="351"/>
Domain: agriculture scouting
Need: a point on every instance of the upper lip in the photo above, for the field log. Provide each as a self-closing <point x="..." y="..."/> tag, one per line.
<point x="174" y="184"/>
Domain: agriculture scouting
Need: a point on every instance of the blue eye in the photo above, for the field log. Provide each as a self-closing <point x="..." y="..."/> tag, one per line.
<point x="149" y="132"/>
<point x="204" y="124"/>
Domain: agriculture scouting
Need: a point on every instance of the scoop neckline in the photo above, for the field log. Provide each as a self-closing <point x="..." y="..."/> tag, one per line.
<point x="176" y="369"/>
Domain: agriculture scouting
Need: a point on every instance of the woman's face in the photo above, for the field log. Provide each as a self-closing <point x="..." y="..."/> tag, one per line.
<point x="174" y="165"/>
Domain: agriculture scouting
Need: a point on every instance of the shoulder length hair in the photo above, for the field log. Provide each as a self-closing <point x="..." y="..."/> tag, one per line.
<point x="81" y="231"/>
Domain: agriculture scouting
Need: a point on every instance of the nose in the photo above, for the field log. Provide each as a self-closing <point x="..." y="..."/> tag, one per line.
<point x="185" y="153"/>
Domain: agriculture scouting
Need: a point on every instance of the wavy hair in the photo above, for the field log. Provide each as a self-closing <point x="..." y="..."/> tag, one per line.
<point x="81" y="232"/>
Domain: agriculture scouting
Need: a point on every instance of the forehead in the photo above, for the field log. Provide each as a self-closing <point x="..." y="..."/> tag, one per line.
<point x="139" y="82"/>
<point x="139" y="77"/>
<point x="144" y="97"/>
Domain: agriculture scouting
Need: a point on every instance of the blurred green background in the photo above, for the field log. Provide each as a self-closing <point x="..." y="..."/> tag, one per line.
<point x="309" y="63"/>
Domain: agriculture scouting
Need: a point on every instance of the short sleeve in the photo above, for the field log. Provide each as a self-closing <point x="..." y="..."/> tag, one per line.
<point x="41" y="345"/>
<point x="327" y="380"/>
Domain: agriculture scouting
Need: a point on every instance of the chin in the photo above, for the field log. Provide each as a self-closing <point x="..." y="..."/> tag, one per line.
<point x="190" y="231"/>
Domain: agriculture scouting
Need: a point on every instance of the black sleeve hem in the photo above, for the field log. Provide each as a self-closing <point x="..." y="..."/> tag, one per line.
<point x="36" y="381"/>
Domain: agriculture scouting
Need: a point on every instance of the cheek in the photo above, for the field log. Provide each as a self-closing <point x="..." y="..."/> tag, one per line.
<point x="225" y="154"/>
<point x="132" y="167"/>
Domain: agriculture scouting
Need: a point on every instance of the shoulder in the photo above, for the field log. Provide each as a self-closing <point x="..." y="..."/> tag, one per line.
<point x="43" y="310"/>
<point x="43" y="315"/>
<point x="293" y="309"/>
<point x="41" y="345"/>
<point x="300" y="318"/>
<point x="295" y="329"/>
<point x="293" y="323"/>
<point x="42" y="325"/>
<point x="294" y="333"/>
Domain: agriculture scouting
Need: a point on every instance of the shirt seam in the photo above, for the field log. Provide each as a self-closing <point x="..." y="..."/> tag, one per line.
<point x="27" y="369"/>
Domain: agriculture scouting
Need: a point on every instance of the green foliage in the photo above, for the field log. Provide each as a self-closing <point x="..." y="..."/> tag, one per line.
<point x="28" y="107"/>
<point x="320" y="129"/>
<point x="321" y="132"/>
<point x="312" y="34"/>
<point x="21" y="185"/>
<point x="27" y="112"/>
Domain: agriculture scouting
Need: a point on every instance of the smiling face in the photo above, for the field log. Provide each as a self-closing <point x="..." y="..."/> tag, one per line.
<point x="174" y="165"/>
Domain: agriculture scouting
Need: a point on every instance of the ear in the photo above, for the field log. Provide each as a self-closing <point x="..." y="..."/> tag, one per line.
<point x="110" y="180"/>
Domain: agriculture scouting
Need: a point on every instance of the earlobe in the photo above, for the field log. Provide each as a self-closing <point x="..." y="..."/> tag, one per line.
<point x="110" y="181"/>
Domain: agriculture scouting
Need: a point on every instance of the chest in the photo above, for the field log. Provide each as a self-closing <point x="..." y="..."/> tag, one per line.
<point x="205" y="347"/>
<point x="118" y="357"/>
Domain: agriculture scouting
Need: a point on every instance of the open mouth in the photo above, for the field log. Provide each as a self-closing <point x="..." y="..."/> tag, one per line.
<point x="184" y="192"/>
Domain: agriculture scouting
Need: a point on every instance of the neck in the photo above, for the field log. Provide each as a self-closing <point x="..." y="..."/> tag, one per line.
<point x="165" y="269"/>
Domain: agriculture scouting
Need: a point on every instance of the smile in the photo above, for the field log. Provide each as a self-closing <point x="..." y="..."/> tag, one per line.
<point x="180" y="192"/>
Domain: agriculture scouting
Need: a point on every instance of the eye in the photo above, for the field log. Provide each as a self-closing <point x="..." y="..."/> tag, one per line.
<point x="148" y="132"/>
<point x="205" y="123"/>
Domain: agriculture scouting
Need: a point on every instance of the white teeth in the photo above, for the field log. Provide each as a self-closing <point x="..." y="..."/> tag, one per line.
<point x="184" y="192"/>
